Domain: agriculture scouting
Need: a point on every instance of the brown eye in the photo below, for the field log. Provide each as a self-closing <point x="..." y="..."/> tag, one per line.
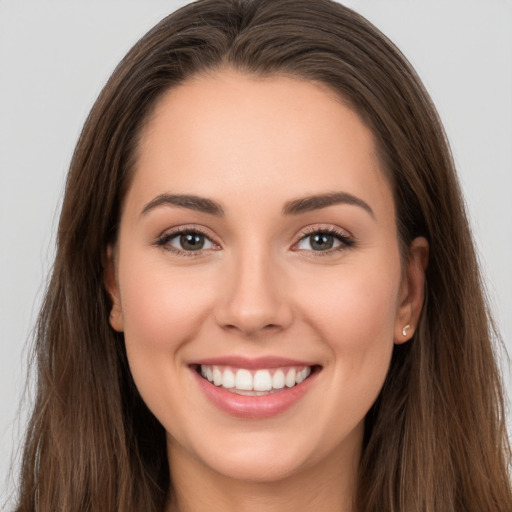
<point x="321" y="242"/>
<point x="186" y="241"/>
<point x="324" y="241"/>
<point x="191" y="241"/>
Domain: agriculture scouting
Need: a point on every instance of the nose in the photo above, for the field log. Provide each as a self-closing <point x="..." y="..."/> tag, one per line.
<point x="254" y="297"/>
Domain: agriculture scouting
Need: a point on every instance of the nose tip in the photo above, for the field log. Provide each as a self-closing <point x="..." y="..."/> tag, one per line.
<point x="252" y="320"/>
<point x="255" y="302"/>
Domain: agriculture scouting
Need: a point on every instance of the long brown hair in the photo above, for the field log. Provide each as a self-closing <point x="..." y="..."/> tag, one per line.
<point x="435" y="440"/>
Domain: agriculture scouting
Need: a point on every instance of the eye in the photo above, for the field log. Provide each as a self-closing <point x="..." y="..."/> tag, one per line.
<point x="324" y="240"/>
<point x="185" y="241"/>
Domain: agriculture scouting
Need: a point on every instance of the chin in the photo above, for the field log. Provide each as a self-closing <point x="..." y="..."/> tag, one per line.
<point x="260" y="469"/>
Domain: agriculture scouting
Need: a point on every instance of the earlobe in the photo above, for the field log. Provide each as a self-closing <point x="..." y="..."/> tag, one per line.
<point x="112" y="287"/>
<point x="412" y="291"/>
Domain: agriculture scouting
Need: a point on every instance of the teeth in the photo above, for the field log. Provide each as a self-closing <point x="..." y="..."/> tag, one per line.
<point x="243" y="380"/>
<point x="290" y="378"/>
<point x="254" y="383"/>
<point x="278" y="380"/>
<point x="228" y="379"/>
<point x="262" y="381"/>
<point x="217" y="376"/>
<point x="301" y="375"/>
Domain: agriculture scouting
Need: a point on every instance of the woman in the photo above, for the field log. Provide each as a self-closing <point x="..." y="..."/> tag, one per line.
<point x="265" y="293"/>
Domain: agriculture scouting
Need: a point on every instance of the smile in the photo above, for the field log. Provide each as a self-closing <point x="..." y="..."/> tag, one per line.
<point x="254" y="389"/>
<point x="254" y="382"/>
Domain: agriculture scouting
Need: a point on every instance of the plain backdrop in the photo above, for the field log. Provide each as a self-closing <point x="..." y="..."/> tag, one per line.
<point x="55" y="57"/>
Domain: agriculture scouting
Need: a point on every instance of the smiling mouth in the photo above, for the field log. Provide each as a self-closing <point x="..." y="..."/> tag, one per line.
<point x="261" y="382"/>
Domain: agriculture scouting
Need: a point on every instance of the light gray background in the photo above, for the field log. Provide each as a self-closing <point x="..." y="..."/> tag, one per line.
<point x="56" y="55"/>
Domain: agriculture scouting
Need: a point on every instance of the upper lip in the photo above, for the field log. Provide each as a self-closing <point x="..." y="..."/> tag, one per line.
<point x="252" y="363"/>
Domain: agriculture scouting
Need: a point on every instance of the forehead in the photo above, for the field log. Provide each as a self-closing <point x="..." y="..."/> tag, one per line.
<point x="226" y="133"/>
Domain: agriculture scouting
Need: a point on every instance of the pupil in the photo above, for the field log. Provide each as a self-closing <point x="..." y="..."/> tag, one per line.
<point x="322" y="242"/>
<point x="192" y="242"/>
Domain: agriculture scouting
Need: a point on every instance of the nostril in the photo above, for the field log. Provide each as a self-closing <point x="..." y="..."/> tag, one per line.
<point x="250" y="311"/>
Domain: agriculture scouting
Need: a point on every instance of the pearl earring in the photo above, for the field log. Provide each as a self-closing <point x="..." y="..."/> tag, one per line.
<point x="404" y="330"/>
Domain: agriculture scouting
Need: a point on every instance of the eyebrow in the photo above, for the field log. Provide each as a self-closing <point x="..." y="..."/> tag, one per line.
<point x="191" y="202"/>
<point x="310" y="203"/>
<point x="294" y="207"/>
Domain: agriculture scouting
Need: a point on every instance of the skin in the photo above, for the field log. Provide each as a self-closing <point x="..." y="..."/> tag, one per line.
<point x="258" y="288"/>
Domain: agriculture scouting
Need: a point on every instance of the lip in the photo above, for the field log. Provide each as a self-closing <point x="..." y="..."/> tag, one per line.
<point x="257" y="363"/>
<point x="254" y="407"/>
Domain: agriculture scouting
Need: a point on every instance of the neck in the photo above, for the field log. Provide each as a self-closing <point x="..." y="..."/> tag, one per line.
<point x="328" y="485"/>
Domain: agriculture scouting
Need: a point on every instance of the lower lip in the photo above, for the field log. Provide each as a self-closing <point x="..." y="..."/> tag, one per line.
<point x="254" y="407"/>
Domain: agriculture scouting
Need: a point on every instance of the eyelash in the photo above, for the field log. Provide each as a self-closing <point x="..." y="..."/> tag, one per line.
<point x="163" y="241"/>
<point x="346" y="241"/>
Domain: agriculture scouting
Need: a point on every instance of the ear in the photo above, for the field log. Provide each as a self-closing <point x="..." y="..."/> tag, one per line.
<point x="412" y="291"/>
<point x="112" y="286"/>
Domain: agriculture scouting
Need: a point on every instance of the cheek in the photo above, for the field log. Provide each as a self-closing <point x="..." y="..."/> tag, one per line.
<point x="355" y="306"/>
<point x="355" y="318"/>
<point x="162" y="307"/>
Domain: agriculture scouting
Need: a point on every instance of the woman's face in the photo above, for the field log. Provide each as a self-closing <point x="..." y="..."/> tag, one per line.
<point x="257" y="244"/>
